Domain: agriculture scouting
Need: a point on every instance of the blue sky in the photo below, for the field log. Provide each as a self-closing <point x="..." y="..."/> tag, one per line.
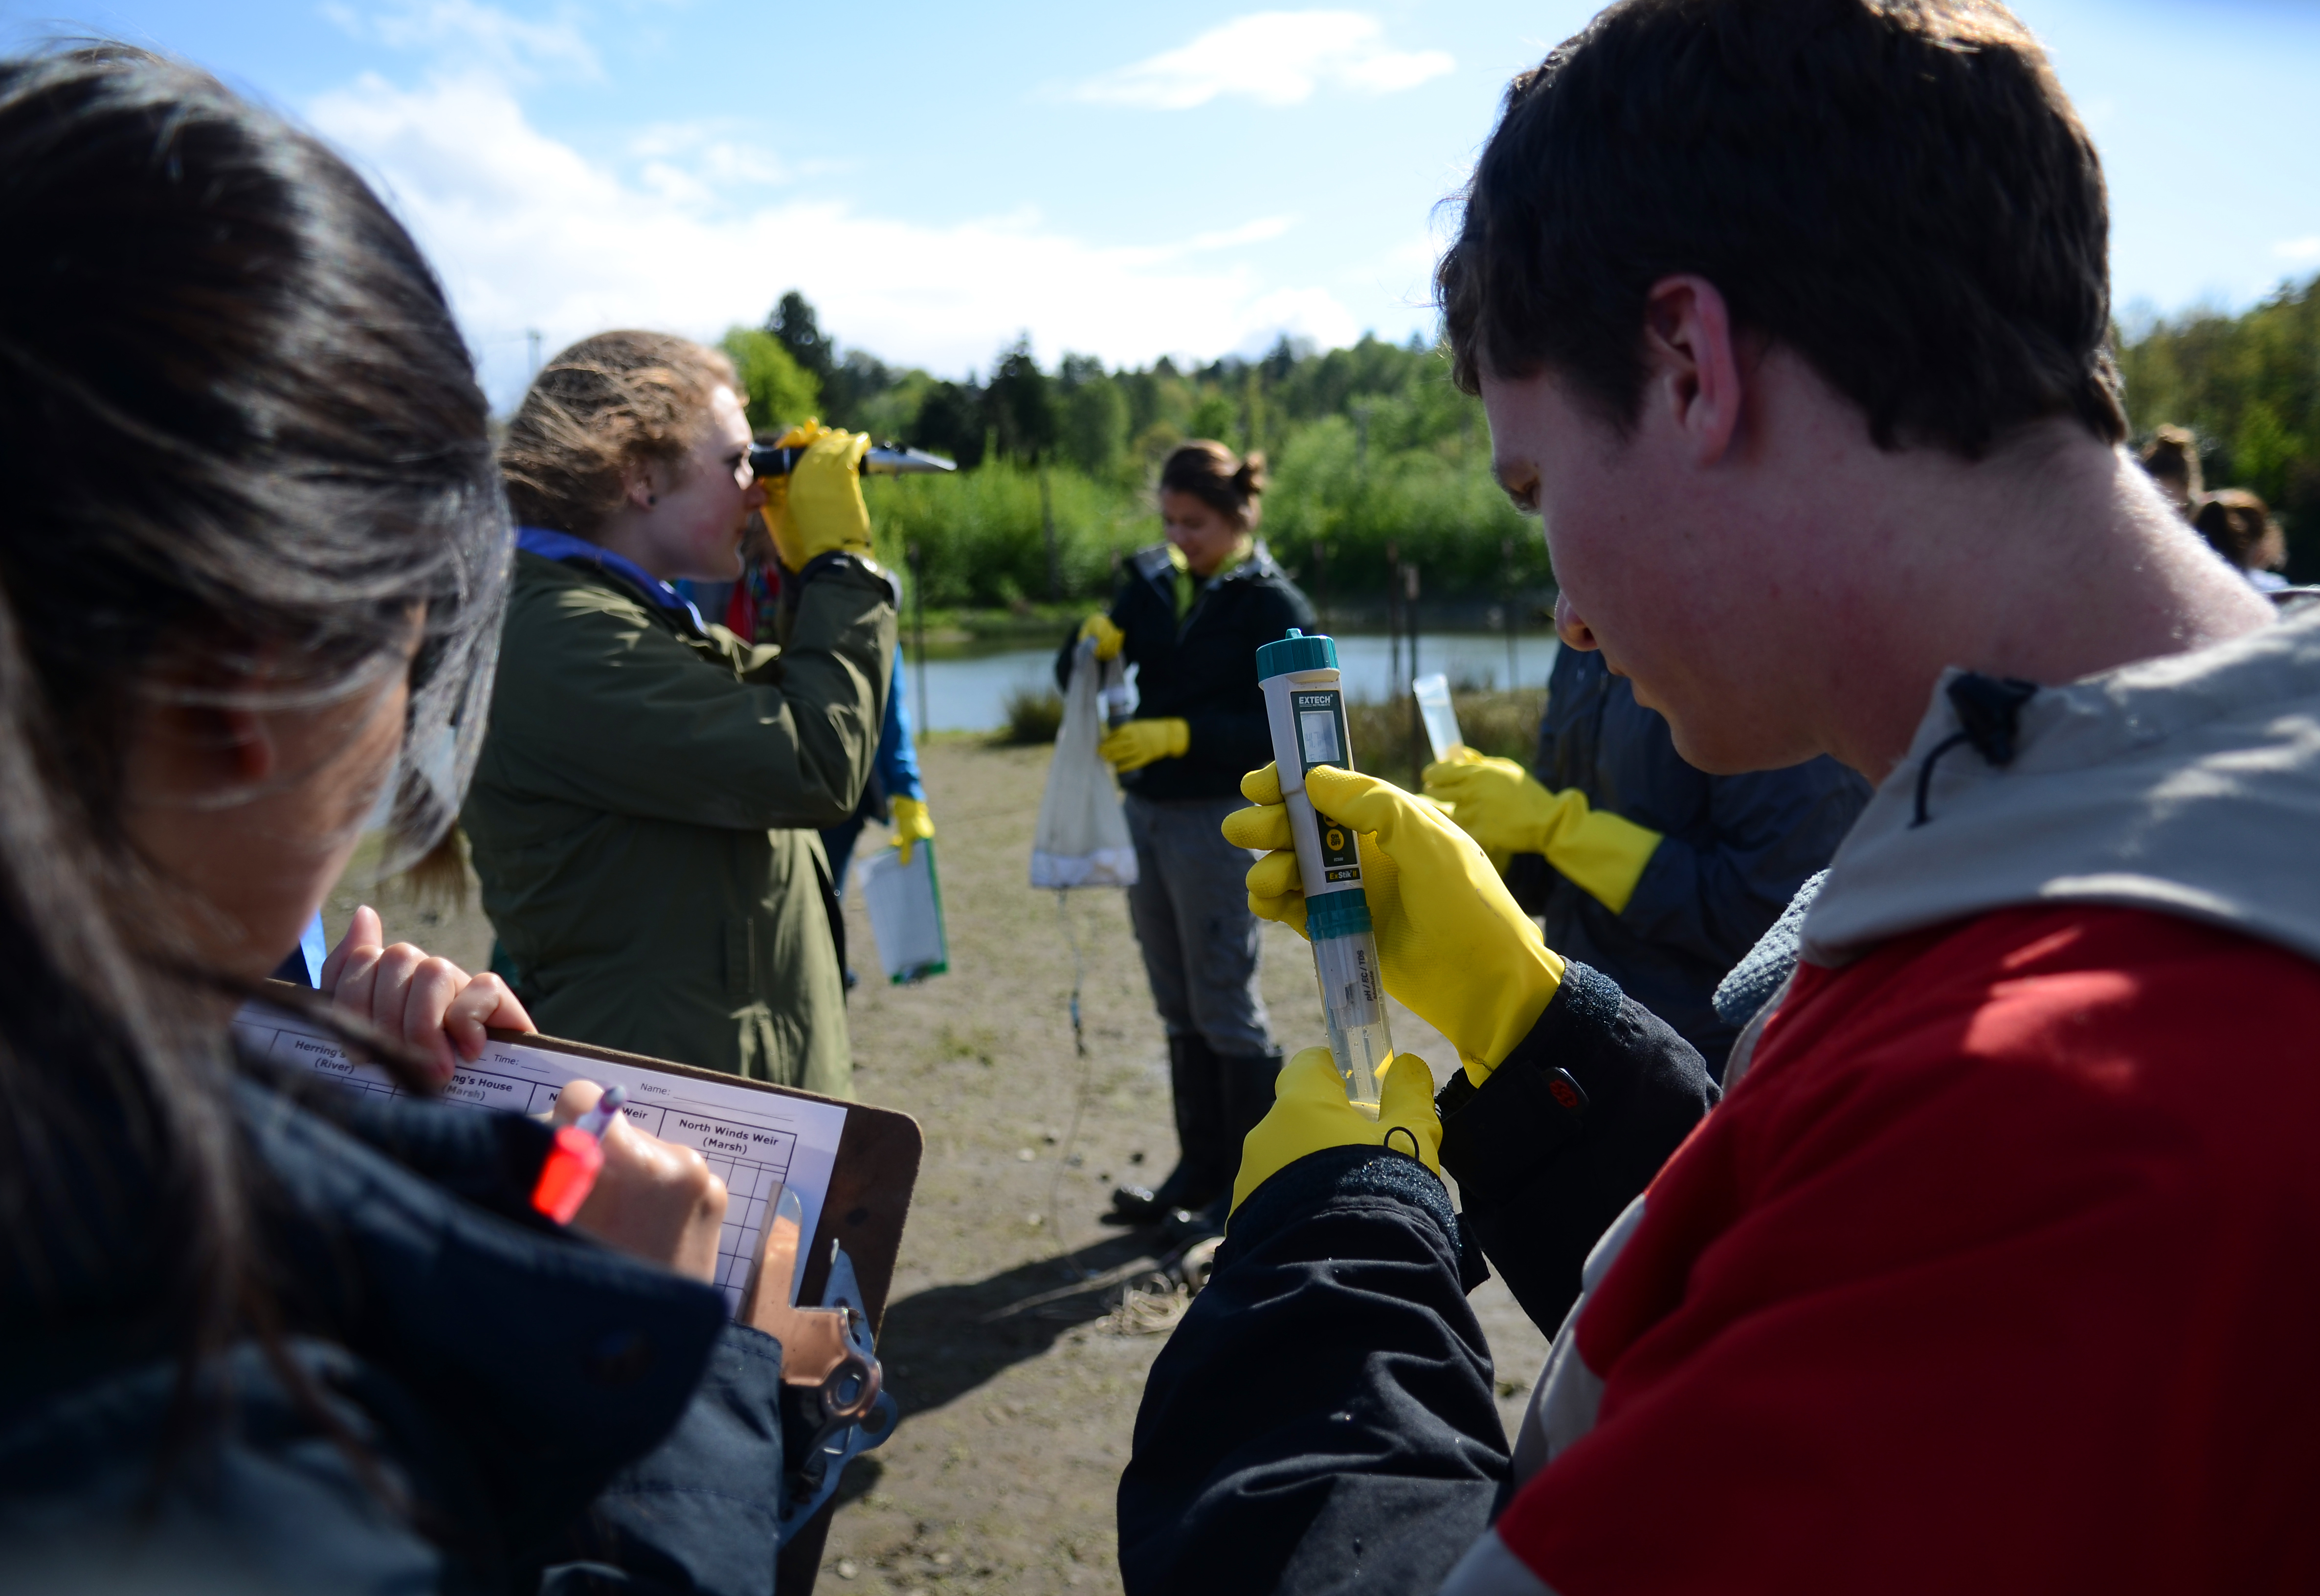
<point x="1121" y="181"/>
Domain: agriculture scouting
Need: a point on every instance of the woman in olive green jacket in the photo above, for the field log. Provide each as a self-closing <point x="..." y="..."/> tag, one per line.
<point x="644" y="812"/>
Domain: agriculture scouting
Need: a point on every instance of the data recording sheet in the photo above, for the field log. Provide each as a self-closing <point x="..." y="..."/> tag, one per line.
<point x="756" y="1141"/>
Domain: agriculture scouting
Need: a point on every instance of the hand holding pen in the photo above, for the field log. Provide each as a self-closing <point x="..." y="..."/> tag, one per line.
<point x="576" y="1157"/>
<point x="648" y="1198"/>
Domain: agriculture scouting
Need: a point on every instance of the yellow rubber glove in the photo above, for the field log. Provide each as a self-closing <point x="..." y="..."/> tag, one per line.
<point x="1137" y="743"/>
<point x="1108" y="637"/>
<point x="912" y="824"/>
<point x="1496" y="804"/>
<point x="1452" y="943"/>
<point x="1310" y="1111"/>
<point x="818" y="507"/>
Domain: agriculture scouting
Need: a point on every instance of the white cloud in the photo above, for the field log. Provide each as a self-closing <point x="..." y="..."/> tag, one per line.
<point x="529" y="233"/>
<point x="1313" y="313"/>
<point x="470" y="34"/>
<point x="716" y="149"/>
<point x="1275" y="57"/>
<point x="2298" y="249"/>
<point x="1258" y="231"/>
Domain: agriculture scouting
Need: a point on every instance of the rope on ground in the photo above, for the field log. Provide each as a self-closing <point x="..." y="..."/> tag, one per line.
<point x="1148" y="1307"/>
<point x="1152" y="1305"/>
<point x="1064" y="1153"/>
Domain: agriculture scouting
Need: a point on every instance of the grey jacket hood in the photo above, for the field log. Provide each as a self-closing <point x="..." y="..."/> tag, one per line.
<point x="2189" y="785"/>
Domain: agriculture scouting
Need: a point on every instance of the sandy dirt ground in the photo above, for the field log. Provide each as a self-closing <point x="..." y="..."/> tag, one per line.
<point x="1019" y="1329"/>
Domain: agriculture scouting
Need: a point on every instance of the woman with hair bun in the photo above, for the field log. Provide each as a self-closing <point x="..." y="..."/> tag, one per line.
<point x="2171" y="459"/>
<point x="263" y="1333"/>
<point x="2238" y="525"/>
<point x="1189" y="617"/>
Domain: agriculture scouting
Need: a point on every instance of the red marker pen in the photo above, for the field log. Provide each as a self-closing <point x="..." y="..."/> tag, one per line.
<point x="575" y="1159"/>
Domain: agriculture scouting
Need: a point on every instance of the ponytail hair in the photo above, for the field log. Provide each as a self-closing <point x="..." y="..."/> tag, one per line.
<point x="1227" y="483"/>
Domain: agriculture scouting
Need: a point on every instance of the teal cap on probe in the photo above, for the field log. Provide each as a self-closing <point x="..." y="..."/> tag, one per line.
<point x="1297" y="652"/>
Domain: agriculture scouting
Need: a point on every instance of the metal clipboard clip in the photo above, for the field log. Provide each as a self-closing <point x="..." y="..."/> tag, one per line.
<point x="828" y="1356"/>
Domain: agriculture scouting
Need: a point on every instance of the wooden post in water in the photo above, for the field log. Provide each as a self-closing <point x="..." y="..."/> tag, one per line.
<point x="1409" y="689"/>
<point x="1514" y="609"/>
<point x="1047" y="529"/>
<point x="916" y="558"/>
<point x="1392" y="618"/>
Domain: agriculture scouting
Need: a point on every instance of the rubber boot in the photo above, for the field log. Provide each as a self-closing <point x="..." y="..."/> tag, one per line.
<point x="1208" y="1151"/>
<point x="1245" y="1084"/>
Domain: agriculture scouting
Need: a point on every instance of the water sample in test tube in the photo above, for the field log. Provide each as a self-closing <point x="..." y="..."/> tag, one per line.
<point x="1113" y="689"/>
<point x="1434" y="708"/>
<point x="1304" y="702"/>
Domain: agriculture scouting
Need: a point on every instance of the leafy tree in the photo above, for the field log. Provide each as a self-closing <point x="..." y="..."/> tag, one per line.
<point x="857" y="385"/>
<point x="1372" y="446"/>
<point x="850" y="381"/>
<point x="774" y="391"/>
<point x="1073" y="370"/>
<point x="1215" y="416"/>
<point x="985" y="533"/>
<point x="1159" y="405"/>
<point x="894" y="411"/>
<point x="1093" y="432"/>
<point x="2249" y="387"/>
<point x="1152" y="446"/>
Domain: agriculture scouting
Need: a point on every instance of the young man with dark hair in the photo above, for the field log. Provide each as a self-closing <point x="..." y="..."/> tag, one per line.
<point x="1992" y="1271"/>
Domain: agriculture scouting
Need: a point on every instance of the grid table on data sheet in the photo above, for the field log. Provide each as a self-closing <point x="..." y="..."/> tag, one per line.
<point x="752" y="1159"/>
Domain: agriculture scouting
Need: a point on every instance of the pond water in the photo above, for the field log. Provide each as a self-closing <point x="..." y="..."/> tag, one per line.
<point x="970" y="695"/>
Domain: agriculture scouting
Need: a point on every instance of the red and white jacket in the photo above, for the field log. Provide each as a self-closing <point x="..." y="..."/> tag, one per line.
<point x="1999" y="1267"/>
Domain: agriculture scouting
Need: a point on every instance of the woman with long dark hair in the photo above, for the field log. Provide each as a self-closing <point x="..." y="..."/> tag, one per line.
<point x="252" y="572"/>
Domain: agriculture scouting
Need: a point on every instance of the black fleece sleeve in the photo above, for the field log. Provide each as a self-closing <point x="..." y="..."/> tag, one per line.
<point x="1236" y="741"/>
<point x="698" y="1516"/>
<point x="1567" y="1130"/>
<point x="1222" y="740"/>
<point x="1323" y="1418"/>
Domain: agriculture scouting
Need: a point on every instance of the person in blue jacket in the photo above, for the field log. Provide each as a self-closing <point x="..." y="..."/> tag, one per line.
<point x="262" y="1334"/>
<point x="1648" y="870"/>
<point x="895" y="796"/>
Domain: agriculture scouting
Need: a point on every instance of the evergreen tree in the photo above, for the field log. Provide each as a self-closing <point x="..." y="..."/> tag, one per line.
<point x="1021" y="402"/>
<point x="950" y="422"/>
<point x="796" y="328"/>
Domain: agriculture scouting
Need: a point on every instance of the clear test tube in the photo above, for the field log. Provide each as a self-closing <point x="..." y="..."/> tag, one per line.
<point x="1113" y="689"/>
<point x="1305" y="704"/>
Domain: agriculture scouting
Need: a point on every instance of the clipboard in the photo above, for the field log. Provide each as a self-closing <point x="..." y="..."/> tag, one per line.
<point x="906" y="911"/>
<point x="871" y="1175"/>
<point x="870" y="1186"/>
